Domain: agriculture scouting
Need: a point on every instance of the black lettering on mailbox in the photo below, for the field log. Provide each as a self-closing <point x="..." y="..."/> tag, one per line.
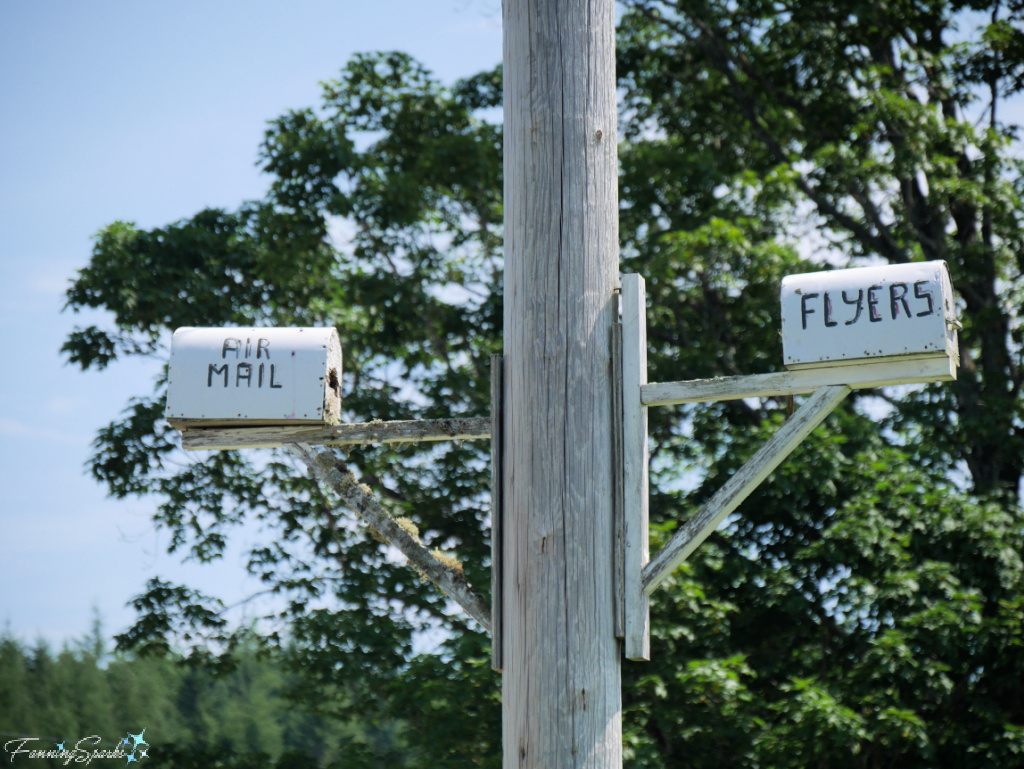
<point x="231" y="345"/>
<point x="272" y="385"/>
<point x="263" y="348"/>
<point x="859" y="301"/>
<point x="899" y="295"/>
<point x="248" y="346"/>
<point x="260" y="377"/>
<point x="896" y="299"/>
<point x="926" y="295"/>
<point x="244" y="372"/>
<point x="873" y="315"/>
<point x="804" y="309"/>
<point x="829" y="323"/>
<point x="216" y="370"/>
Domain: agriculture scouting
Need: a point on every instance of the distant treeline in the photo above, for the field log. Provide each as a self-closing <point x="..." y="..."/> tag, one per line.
<point x="192" y="717"/>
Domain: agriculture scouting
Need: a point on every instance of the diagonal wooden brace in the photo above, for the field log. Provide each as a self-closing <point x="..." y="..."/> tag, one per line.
<point x="451" y="581"/>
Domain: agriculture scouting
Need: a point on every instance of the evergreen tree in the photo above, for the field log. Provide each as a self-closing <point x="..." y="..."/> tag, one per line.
<point x="15" y="692"/>
<point x="236" y="719"/>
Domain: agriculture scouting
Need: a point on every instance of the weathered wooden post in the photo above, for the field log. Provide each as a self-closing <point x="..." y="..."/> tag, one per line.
<point x="561" y="660"/>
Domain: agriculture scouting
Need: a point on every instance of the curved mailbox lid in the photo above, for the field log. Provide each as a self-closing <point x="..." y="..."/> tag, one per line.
<point x="254" y="376"/>
<point x="838" y="317"/>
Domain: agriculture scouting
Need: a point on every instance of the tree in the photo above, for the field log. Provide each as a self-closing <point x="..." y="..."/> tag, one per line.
<point x="415" y="298"/>
<point x="861" y="603"/>
<point x="884" y="126"/>
<point x="238" y="719"/>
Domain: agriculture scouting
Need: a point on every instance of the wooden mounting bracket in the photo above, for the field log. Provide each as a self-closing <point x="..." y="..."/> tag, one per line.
<point x="741" y="484"/>
<point x="637" y="575"/>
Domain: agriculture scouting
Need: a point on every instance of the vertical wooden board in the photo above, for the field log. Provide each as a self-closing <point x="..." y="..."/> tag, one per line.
<point x="497" y="415"/>
<point x="620" y="530"/>
<point x="635" y="467"/>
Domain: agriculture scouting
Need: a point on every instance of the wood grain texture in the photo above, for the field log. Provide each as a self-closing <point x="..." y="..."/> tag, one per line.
<point x="331" y="471"/>
<point x="635" y="471"/>
<point x="859" y="377"/>
<point x="497" y="415"/>
<point x="561" y="703"/>
<point x="739" y="486"/>
<point x="220" y="439"/>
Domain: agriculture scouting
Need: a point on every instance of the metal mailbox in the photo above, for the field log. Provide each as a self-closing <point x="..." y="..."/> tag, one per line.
<point x="254" y="376"/>
<point x="838" y="317"/>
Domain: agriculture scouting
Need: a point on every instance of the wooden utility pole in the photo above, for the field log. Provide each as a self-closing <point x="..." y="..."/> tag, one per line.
<point x="561" y="660"/>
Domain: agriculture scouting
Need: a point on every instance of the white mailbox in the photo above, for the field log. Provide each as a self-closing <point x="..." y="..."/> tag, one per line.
<point x="254" y="376"/>
<point x="903" y="311"/>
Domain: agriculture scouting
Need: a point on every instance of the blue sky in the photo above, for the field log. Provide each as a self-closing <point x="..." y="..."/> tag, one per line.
<point x="148" y="113"/>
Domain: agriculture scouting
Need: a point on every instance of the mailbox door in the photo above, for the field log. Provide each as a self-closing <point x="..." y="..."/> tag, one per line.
<point x="254" y="376"/>
<point x="869" y="313"/>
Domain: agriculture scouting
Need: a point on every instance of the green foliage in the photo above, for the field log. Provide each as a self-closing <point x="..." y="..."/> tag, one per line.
<point x="241" y="718"/>
<point x="862" y="609"/>
<point x="846" y="619"/>
<point x="861" y="118"/>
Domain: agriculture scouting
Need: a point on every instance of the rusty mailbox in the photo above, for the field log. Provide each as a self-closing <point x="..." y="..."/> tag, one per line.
<point x="869" y="314"/>
<point x="254" y="376"/>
